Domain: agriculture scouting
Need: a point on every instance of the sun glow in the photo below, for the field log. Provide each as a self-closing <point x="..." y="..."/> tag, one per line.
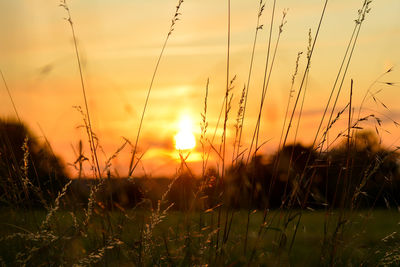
<point x="184" y="139"/>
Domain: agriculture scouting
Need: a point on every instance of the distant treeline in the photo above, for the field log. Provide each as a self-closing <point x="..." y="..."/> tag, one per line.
<point x="360" y="175"/>
<point x="372" y="180"/>
<point x="365" y="176"/>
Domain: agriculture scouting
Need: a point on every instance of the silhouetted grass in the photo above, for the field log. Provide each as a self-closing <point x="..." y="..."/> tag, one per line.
<point x="362" y="244"/>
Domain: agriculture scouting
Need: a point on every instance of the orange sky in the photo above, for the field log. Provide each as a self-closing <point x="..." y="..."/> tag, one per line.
<point x="119" y="42"/>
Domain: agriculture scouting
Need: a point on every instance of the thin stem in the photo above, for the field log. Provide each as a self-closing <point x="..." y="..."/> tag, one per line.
<point x="171" y="29"/>
<point x="258" y="27"/>
<point x="11" y="98"/>
<point x="91" y="137"/>
<point x="264" y="89"/>
<point x="227" y="103"/>
<point x="258" y="124"/>
<point x="131" y="166"/>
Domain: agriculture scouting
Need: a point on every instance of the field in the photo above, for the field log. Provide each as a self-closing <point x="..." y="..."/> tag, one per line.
<point x="368" y="237"/>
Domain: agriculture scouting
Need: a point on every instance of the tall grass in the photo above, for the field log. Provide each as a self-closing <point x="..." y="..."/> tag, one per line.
<point x="174" y="20"/>
<point x="88" y="123"/>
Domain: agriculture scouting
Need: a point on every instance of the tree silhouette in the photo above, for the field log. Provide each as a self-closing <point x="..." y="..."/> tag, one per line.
<point x="373" y="176"/>
<point x="30" y="173"/>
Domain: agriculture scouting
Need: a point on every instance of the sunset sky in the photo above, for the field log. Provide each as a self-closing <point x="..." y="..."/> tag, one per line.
<point x="120" y="41"/>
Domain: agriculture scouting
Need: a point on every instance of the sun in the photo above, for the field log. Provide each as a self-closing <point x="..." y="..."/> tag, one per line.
<point x="184" y="139"/>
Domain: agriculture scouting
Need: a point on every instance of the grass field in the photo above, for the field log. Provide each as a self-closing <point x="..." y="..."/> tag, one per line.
<point x="362" y="243"/>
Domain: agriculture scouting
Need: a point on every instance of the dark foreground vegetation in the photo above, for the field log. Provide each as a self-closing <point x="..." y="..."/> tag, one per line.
<point x="185" y="239"/>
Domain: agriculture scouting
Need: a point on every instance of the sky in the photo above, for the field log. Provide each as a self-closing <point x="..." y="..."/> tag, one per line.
<point x="120" y="41"/>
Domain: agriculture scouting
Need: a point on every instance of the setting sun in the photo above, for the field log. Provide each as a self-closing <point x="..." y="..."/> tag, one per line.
<point x="184" y="139"/>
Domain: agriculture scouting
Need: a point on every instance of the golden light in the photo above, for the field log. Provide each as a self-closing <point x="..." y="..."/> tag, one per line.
<point x="184" y="139"/>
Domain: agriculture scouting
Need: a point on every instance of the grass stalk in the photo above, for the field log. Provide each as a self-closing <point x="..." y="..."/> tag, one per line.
<point x="243" y="115"/>
<point x="171" y="29"/>
<point x="93" y="146"/>
<point x="227" y="108"/>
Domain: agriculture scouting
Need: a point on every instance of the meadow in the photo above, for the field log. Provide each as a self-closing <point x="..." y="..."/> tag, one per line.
<point x="181" y="238"/>
<point x="333" y="202"/>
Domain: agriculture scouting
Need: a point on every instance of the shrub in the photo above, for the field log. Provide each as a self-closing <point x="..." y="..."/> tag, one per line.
<point x="30" y="173"/>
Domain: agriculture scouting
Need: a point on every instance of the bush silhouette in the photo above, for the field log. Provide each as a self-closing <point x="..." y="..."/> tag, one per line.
<point x="30" y="173"/>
